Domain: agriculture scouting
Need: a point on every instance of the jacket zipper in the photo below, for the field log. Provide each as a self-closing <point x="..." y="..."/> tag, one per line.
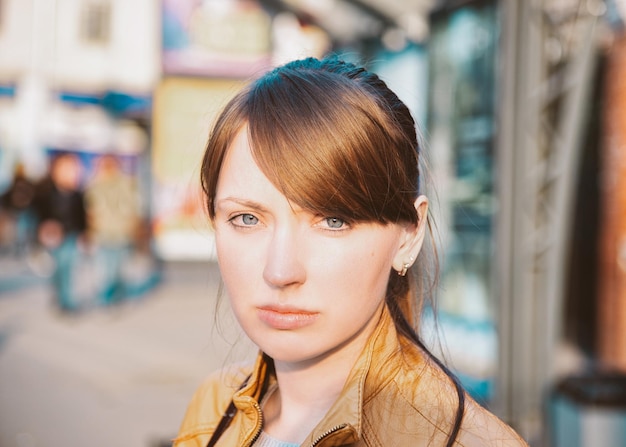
<point x="260" y="428"/>
<point x="327" y="433"/>
<point x="259" y="425"/>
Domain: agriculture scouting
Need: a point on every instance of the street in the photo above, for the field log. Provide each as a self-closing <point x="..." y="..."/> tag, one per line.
<point x="119" y="376"/>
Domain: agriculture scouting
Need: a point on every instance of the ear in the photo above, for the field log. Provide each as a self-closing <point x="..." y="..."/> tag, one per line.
<point x="412" y="238"/>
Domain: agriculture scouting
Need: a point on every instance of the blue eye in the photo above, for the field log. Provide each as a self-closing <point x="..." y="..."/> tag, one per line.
<point x="334" y="222"/>
<point x="249" y="219"/>
<point x="244" y="220"/>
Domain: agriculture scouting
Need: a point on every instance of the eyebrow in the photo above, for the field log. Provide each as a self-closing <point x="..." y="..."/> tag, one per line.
<point x="243" y="202"/>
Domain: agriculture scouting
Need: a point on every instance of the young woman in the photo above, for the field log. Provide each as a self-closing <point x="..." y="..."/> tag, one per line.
<point x="311" y="179"/>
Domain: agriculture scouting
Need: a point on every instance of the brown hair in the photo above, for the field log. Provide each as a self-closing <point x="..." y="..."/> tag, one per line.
<point x="335" y="140"/>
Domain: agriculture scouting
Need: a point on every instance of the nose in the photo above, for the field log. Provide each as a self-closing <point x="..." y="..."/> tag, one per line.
<point x="283" y="267"/>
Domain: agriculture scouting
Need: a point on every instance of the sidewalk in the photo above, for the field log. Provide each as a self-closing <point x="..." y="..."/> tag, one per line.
<point x="120" y="376"/>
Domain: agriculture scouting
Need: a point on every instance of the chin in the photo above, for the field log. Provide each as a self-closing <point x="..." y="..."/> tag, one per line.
<point x="287" y="354"/>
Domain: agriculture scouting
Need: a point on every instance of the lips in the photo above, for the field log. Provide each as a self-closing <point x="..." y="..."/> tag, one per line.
<point x="286" y="318"/>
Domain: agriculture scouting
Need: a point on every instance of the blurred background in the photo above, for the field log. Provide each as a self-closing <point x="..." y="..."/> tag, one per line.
<point x="109" y="293"/>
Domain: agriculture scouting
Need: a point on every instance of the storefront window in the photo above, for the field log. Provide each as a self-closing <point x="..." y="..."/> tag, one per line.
<point x="461" y="128"/>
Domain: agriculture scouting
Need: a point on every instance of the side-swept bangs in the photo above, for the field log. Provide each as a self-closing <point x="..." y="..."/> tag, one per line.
<point x="328" y="143"/>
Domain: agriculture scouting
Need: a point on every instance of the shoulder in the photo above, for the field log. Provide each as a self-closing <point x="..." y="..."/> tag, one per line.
<point x="479" y="427"/>
<point x="439" y="404"/>
<point x="211" y="400"/>
<point x="424" y="402"/>
<point x="482" y="428"/>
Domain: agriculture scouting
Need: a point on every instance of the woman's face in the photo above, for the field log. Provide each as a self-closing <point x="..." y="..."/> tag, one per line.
<point x="302" y="286"/>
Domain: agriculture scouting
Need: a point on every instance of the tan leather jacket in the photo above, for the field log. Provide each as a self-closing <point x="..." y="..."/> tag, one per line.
<point x="395" y="396"/>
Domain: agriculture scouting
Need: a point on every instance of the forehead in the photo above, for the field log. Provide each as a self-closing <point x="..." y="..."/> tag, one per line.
<point x="240" y="173"/>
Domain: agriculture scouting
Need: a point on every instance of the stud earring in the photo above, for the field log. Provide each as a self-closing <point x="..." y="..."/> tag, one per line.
<point x="405" y="267"/>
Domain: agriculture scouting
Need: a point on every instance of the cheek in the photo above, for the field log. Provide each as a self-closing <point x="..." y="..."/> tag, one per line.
<point x="357" y="270"/>
<point x="236" y="261"/>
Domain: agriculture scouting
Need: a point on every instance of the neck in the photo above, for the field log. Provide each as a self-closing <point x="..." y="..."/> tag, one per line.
<point x="302" y="399"/>
<point x="328" y="376"/>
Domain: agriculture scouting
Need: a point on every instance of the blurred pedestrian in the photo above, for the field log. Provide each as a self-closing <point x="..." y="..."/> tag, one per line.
<point x="60" y="208"/>
<point x="16" y="205"/>
<point x="113" y="217"/>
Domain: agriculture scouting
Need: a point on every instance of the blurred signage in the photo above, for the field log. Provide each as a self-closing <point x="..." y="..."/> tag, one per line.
<point x="184" y="109"/>
<point x="228" y="38"/>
